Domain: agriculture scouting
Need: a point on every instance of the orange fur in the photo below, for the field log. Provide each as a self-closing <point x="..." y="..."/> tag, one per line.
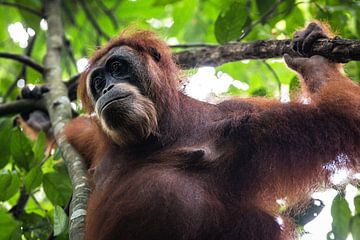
<point x="216" y="171"/>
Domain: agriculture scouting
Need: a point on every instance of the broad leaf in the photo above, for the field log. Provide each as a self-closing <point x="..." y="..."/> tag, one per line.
<point x="60" y="220"/>
<point x="341" y="214"/>
<point x="230" y="22"/>
<point x="8" y="225"/>
<point x="355" y="227"/>
<point x="39" y="148"/>
<point x="357" y="204"/>
<point x="33" y="178"/>
<point x="9" y="185"/>
<point x="57" y="188"/>
<point x="21" y="149"/>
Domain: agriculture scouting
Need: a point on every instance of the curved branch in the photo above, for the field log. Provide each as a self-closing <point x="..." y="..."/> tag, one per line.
<point x="277" y="79"/>
<point x="337" y="49"/>
<point x="19" y="106"/>
<point x="22" y="73"/>
<point x="22" y="7"/>
<point x="23" y="59"/>
<point x="92" y="20"/>
<point x="109" y="13"/>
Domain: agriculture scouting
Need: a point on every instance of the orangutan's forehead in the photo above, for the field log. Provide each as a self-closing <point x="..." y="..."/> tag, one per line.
<point x="118" y="50"/>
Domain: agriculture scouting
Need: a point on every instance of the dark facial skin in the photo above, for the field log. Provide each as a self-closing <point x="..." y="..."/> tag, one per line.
<point x="114" y="68"/>
<point x="117" y="85"/>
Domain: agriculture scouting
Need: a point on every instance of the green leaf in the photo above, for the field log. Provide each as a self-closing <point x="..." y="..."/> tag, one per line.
<point x="33" y="179"/>
<point x="21" y="149"/>
<point x="294" y="20"/>
<point x="164" y="2"/>
<point x="355" y="227"/>
<point x="9" y="185"/>
<point x="341" y="215"/>
<point x="294" y="84"/>
<point x="264" y="5"/>
<point x="230" y="22"/>
<point x="357" y="204"/>
<point x="39" y="148"/>
<point x="57" y="188"/>
<point x="8" y="225"/>
<point x="60" y="220"/>
<point x="260" y="92"/>
<point x="5" y="133"/>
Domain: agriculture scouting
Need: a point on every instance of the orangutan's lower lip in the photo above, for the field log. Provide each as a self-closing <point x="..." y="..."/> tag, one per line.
<point x="114" y="100"/>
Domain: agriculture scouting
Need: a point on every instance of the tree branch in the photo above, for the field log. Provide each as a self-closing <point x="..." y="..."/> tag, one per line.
<point x="18" y="209"/>
<point x="109" y="13"/>
<point x="22" y="7"/>
<point x="20" y="106"/>
<point x="92" y="20"/>
<point x="22" y="73"/>
<point x="339" y="50"/>
<point x="58" y="105"/>
<point x="23" y="59"/>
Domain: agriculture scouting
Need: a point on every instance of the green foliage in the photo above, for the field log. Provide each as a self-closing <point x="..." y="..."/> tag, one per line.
<point x="264" y="6"/>
<point x="60" y="221"/>
<point x="231" y="21"/>
<point x="8" y="225"/>
<point x="341" y="215"/>
<point x="33" y="179"/>
<point x="357" y="204"/>
<point x="57" y="187"/>
<point x="164" y="2"/>
<point x="9" y="185"/>
<point x="33" y="172"/>
<point x="21" y="149"/>
<point x="354" y="227"/>
<point x="39" y="148"/>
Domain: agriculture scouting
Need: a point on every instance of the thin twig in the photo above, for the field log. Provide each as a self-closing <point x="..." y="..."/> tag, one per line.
<point x="23" y="7"/>
<point x="92" y="19"/>
<point x="262" y="19"/>
<point x="273" y="73"/>
<point x="22" y="73"/>
<point x="115" y="6"/>
<point x="247" y="30"/>
<point x="69" y="50"/>
<point x="109" y="13"/>
<point x="23" y="59"/>
<point x="69" y="12"/>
